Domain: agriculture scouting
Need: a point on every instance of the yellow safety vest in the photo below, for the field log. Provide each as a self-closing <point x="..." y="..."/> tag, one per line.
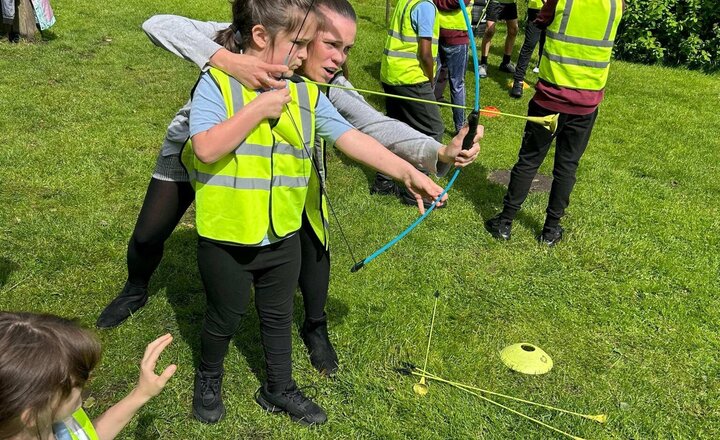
<point x="400" y="65"/>
<point x="263" y="184"/>
<point x="579" y="43"/>
<point x="454" y="20"/>
<point x="316" y="207"/>
<point x="80" y="427"/>
<point x="535" y="4"/>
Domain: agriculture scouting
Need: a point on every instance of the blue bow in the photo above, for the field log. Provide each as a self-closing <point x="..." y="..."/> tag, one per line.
<point x="467" y="143"/>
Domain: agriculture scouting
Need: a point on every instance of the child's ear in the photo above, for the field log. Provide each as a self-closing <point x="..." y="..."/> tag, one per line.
<point x="260" y="36"/>
<point x="28" y="417"/>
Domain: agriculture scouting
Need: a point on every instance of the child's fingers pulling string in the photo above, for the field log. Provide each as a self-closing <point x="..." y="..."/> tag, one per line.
<point x="150" y="384"/>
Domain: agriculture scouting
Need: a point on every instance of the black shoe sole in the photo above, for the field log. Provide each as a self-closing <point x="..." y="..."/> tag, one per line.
<point x="272" y="409"/>
<point x="207" y="422"/>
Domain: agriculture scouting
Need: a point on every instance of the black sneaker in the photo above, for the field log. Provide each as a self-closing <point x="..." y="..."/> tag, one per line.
<point x="508" y="67"/>
<point x="499" y="228"/>
<point x="384" y="186"/>
<point x="409" y="199"/>
<point x="14" y="37"/>
<point x="517" y="90"/>
<point x="322" y="353"/>
<point x="129" y="301"/>
<point x="207" y="405"/>
<point x="551" y="236"/>
<point x="292" y="401"/>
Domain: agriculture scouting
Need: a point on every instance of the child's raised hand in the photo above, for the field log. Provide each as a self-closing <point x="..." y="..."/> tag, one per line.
<point x="150" y="384"/>
<point x="271" y="103"/>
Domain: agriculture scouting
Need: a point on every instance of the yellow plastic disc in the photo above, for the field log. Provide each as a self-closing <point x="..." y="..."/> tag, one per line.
<point x="526" y="358"/>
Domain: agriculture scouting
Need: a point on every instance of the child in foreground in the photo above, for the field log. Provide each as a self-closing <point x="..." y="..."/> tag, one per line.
<point x="252" y="165"/>
<point x="45" y="361"/>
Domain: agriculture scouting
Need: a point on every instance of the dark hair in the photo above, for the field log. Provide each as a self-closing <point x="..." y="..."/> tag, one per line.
<point x="342" y="7"/>
<point x="42" y="358"/>
<point x="285" y="15"/>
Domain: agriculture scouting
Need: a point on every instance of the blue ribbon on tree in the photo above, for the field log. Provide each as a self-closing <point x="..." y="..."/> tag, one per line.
<point x="467" y="143"/>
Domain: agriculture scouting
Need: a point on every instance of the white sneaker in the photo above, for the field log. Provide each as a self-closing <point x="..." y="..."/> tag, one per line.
<point x="536" y="69"/>
<point x="483" y="70"/>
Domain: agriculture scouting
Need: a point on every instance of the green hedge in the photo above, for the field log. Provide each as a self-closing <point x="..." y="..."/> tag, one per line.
<point x="673" y="32"/>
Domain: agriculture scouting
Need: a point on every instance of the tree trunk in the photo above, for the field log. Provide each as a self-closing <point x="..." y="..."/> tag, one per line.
<point x="25" y="19"/>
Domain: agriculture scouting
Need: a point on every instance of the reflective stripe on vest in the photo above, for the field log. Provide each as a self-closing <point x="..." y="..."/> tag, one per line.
<point x="80" y="427"/>
<point x="400" y="64"/>
<point x="454" y="19"/>
<point x="262" y="185"/>
<point x="535" y="4"/>
<point x="579" y="43"/>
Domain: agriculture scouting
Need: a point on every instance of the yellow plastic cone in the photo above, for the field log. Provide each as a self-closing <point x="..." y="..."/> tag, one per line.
<point x="526" y="358"/>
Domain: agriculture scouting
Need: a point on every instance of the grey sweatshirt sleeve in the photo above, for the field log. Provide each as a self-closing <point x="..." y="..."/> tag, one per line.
<point x="186" y="38"/>
<point x="418" y="149"/>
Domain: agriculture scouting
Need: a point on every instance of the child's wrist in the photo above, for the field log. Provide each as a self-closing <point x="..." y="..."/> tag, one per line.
<point x="139" y="397"/>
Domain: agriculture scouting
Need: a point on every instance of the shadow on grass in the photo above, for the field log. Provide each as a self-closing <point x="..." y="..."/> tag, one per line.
<point x="179" y="275"/>
<point x="145" y="429"/>
<point x="486" y="196"/>
<point x="7" y="267"/>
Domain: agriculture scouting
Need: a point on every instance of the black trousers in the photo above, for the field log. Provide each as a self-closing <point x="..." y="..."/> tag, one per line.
<point x="571" y="139"/>
<point x="421" y="116"/>
<point x="163" y="207"/>
<point x="314" y="278"/>
<point x="229" y="273"/>
<point x="533" y="34"/>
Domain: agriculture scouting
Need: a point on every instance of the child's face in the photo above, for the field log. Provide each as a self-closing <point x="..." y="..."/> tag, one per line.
<point x="69" y="405"/>
<point x="330" y="47"/>
<point x="298" y="41"/>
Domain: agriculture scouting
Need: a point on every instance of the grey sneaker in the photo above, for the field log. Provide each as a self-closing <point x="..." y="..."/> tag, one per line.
<point x="483" y="70"/>
<point x="507" y="67"/>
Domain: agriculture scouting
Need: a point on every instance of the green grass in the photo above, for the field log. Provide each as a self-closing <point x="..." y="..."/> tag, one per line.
<point x="627" y="305"/>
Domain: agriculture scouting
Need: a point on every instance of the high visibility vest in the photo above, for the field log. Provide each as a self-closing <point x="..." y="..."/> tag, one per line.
<point x="399" y="65"/>
<point x="80" y="427"/>
<point x="535" y="4"/>
<point x="454" y="20"/>
<point x="579" y="43"/>
<point x="262" y="185"/>
<point x="316" y="207"/>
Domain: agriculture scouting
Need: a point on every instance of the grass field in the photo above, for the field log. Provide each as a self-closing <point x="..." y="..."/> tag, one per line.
<point x="627" y="305"/>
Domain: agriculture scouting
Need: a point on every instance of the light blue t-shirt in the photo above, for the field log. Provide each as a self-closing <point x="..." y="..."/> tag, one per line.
<point x="208" y="110"/>
<point x="423" y="19"/>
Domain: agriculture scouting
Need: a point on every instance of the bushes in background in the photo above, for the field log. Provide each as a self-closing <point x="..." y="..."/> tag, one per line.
<point x="673" y="32"/>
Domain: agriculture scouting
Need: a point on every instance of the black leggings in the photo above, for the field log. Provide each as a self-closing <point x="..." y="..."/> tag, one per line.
<point x="229" y="273"/>
<point x="163" y="207"/>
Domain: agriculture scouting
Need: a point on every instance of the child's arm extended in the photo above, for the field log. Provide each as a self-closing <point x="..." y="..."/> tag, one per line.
<point x="110" y="423"/>
<point x="193" y="40"/>
<point x="364" y="149"/>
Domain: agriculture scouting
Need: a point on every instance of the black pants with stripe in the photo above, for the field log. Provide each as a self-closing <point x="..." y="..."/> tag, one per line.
<point x="571" y="139"/>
